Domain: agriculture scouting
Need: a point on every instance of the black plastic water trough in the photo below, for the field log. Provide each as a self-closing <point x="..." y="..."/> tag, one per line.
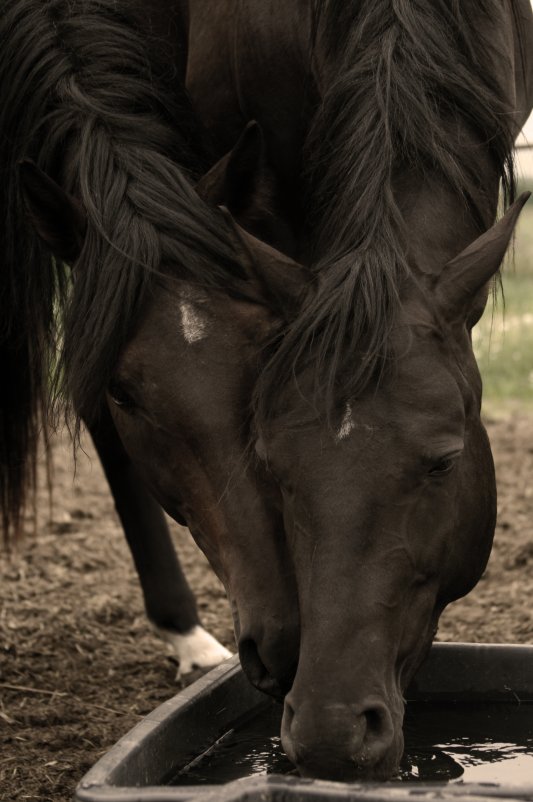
<point x="179" y="732"/>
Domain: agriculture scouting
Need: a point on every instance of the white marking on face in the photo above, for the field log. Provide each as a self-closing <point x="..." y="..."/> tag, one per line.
<point x="346" y="426"/>
<point x="194" y="649"/>
<point x="193" y="325"/>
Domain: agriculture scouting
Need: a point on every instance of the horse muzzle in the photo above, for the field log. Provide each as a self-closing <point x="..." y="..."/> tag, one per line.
<point x="342" y="741"/>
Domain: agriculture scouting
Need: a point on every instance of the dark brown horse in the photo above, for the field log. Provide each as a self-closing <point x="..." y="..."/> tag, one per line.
<point x="389" y="129"/>
<point x="158" y="321"/>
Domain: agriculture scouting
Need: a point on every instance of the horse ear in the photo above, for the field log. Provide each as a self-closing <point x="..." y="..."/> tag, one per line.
<point x="241" y="177"/>
<point x="56" y="216"/>
<point x="244" y="183"/>
<point x="274" y="278"/>
<point x="466" y="275"/>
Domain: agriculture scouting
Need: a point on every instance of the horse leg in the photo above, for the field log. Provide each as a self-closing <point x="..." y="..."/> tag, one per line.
<point x="169" y="602"/>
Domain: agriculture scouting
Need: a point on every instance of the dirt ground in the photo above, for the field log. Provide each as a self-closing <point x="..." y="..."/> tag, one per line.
<point x="79" y="664"/>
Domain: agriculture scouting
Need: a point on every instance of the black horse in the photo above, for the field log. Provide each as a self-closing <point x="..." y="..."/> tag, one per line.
<point x="369" y="503"/>
<point x="100" y="152"/>
<point x="389" y="129"/>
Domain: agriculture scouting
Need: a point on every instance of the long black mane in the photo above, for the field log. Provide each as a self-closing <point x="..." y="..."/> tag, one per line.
<point x="85" y="100"/>
<point x="402" y="79"/>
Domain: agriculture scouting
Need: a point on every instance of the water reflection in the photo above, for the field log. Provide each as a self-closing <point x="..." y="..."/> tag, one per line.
<point x="469" y="742"/>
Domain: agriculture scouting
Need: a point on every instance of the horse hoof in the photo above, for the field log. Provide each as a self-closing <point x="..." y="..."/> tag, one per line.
<point x="194" y="651"/>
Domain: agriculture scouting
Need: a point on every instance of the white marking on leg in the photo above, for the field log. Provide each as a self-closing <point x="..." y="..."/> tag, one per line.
<point x="193" y="325"/>
<point x="194" y="649"/>
<point x="347" y="425"/>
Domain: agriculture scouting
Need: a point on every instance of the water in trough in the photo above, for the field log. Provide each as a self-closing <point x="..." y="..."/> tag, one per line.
<point x="472" y="742"/>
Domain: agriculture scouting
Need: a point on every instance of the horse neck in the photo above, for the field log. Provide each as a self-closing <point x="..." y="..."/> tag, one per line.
<point x="438" y="223"/>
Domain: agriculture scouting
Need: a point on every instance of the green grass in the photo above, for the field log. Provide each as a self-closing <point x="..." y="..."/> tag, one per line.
<point x="503" y="339"/>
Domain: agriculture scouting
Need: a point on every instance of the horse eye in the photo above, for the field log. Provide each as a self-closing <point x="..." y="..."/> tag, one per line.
<point x="443" y="466"/>
<point x="120" y="397"/>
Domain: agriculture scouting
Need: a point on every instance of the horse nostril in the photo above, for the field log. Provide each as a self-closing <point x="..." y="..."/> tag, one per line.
<point x="255" y="669"/>
<point x="377" y="720"/>
<point x="288" y="715"/>
<point x="379" y="731"/>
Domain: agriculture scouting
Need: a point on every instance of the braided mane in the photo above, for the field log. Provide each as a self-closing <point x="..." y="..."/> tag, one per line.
<point x="402" y="79"/>
<point x="83" y="98"/>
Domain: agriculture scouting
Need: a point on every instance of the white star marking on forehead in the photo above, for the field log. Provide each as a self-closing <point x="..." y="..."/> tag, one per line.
<point x="346" y="426"/>
<point x="193" y="324"/>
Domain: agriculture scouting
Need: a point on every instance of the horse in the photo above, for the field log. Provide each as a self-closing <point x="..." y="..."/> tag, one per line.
<point x="389" y="129"/>
<point x="369" y="501"/>
<point x="121" y="279"/>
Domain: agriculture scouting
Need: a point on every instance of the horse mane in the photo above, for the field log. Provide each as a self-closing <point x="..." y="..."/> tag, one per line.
<point x="86" y="101"/>
<point x="402" y="78"/>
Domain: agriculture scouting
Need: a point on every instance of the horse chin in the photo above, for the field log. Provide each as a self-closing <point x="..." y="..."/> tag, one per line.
<point x="324" y="765"/>
<point x="339" y="771"/>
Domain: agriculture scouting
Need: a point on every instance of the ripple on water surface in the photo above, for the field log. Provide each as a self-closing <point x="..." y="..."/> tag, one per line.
<point x="444" y="742"/>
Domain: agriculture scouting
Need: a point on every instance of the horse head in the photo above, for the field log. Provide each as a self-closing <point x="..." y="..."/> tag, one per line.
<point x="389" y="506"/>
<point x="180" y="397"/>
